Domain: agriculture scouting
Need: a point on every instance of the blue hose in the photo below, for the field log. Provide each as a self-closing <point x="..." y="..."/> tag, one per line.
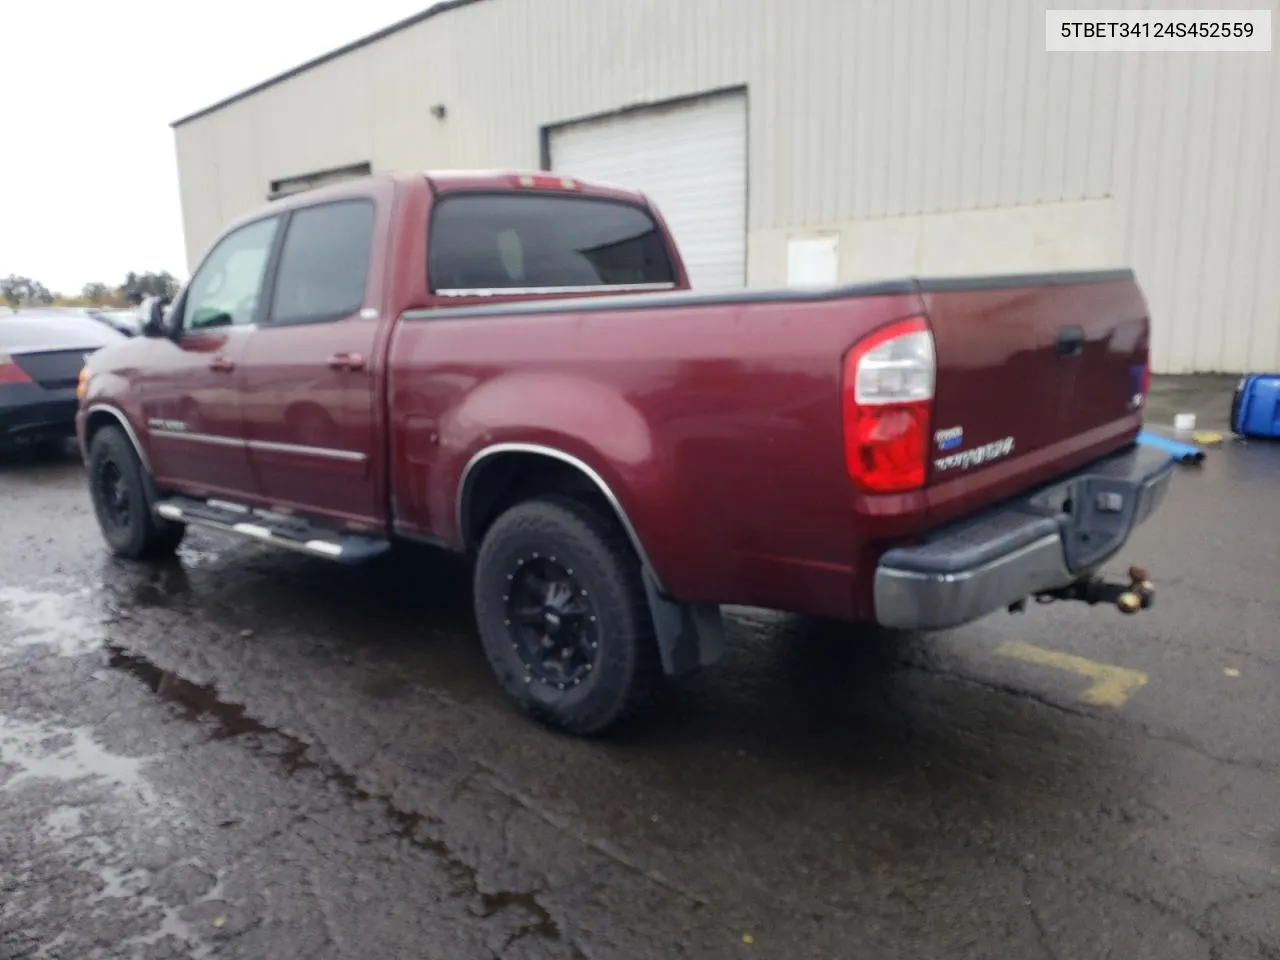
<point x="1182" y="452"/>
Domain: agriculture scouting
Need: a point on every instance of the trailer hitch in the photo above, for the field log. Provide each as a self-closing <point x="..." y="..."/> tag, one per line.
<point x="1138" y="594"/>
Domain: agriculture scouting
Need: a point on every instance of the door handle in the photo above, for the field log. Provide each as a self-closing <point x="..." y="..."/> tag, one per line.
<point x="221" y="365"/>
<point x="346" y="361"/>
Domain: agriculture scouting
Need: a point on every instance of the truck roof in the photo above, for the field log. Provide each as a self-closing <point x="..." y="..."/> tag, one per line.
<point x="446" y="181"/>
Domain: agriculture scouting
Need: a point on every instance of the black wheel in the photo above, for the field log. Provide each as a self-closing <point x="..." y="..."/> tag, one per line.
<point x="563" y="616"/>
<point x="122" y="503"/>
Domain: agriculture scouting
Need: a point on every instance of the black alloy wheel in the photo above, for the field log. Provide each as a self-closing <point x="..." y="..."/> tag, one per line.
<point x="112" y="494"/>
<point x="122" y="500"/>
<point x="563" y="614"/>
<point x="553" y="628"/>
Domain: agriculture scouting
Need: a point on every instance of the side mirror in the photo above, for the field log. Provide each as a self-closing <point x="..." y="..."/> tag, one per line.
<point x="154" y="325"/>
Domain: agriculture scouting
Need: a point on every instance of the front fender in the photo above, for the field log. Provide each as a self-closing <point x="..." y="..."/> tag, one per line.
<point x="107" y="400"/>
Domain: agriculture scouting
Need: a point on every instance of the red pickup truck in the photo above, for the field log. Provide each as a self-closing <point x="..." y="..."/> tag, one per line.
<point x="513" y="365"/>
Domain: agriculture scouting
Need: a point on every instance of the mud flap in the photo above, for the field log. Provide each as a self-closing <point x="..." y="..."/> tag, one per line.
<point x="690" y="635"/>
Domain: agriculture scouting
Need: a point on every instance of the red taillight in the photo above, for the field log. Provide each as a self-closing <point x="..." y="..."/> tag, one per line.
<point x="10" y="372"/>
<point x="888" y="390"/>
<point x="546" y="181"/>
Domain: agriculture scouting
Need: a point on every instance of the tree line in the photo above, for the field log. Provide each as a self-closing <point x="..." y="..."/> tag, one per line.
<point x="20" y="291"/>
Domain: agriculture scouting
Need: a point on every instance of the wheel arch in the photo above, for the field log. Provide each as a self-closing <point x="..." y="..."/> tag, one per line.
<point x="470" y="515"/>
<point x="689" y="635"/>
<point x="101" y="415"/>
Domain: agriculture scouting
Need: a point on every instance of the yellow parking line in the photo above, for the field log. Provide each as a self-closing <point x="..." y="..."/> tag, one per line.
<point x="1111" y="687"/>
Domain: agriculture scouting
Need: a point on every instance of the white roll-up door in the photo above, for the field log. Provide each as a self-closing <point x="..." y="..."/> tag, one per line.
<point x="690" y="159"/>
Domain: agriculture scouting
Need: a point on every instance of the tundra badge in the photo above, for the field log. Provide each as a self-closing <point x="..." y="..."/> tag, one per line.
<point x="978" y="455"/>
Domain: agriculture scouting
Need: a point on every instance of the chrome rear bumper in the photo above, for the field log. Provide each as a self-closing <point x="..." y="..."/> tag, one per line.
<point x="1043" y="542"/>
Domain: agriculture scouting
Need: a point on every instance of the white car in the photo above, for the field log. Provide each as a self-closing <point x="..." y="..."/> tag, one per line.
<point x="127" y="320"/>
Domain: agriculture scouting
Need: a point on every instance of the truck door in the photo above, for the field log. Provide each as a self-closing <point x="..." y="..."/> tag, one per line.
<point x="190" y="399"/>
<point x="309" y="375"/>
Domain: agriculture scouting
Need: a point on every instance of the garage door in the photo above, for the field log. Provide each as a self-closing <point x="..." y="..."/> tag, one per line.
<point x="691" y="161"/>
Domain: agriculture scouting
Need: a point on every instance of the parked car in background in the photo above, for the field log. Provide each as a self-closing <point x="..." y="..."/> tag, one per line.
<point x="514" y="365"/>
<point x="126" y="320"/>
<point x="41" y="355"/>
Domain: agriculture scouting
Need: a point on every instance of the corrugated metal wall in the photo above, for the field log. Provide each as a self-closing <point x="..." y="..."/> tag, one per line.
<point x="931" y="135"/>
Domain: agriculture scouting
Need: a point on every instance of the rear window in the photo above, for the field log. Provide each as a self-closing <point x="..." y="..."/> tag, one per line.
<point x="510" y="241"/>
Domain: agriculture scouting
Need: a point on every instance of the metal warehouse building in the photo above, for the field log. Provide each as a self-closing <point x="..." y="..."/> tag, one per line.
<point x="814" y="139"/>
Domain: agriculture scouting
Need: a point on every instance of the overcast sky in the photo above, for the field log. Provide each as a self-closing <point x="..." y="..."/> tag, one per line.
<point x="88" y="177"/>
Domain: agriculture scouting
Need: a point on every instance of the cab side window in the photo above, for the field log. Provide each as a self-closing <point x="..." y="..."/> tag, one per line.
<point x="225" y="290"/>
<point x="324" y="263"/>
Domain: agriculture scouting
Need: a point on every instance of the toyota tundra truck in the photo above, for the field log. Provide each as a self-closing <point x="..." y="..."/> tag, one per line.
<point x="514" y="366"/>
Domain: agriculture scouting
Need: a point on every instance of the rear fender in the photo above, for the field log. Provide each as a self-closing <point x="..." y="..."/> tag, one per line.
<point x="609" y="445"/>
<point x="583" y="423"/>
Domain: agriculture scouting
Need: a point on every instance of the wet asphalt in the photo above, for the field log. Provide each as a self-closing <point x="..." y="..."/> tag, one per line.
<point x="252" y="754"/>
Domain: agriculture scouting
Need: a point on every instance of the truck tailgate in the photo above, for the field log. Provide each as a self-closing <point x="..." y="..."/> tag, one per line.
<point x="1035" y="377"/>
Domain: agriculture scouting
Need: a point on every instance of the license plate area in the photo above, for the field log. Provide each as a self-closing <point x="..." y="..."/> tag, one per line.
<point x="1096" y="513"/>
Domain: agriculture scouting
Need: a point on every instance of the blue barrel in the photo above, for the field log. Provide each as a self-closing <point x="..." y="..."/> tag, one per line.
<point x="1255" y="408"/>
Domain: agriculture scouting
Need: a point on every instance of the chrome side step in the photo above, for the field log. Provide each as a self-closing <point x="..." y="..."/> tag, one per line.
<point x="278" y="530"/>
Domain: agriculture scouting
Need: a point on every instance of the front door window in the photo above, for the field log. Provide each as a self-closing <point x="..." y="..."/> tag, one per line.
<point x="226" y="288"/>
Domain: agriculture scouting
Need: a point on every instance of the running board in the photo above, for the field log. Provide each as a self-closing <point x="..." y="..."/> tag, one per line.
<point x="276" y="529"/>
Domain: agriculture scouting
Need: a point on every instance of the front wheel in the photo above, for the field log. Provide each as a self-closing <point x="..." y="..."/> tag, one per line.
<point x="563" y="617"/>
<point x="121" y="502"/>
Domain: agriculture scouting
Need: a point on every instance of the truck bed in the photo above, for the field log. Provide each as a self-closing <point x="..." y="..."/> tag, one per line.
<point x="676" y="400"/>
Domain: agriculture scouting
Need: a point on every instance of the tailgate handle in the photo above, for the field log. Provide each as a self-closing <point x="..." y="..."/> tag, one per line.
<point x="1070" y="341"/>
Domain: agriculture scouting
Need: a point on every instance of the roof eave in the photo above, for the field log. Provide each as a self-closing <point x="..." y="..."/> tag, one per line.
<point x="443" y="7"/>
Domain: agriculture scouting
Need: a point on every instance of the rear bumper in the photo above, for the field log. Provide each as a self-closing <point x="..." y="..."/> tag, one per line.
<point x="1044" y="541"/>
<point x="30" y="412"/>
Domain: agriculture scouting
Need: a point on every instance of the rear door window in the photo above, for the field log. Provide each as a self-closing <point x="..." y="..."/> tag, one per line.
<point x="324" y="263"/>
<point x="511" y="242"/>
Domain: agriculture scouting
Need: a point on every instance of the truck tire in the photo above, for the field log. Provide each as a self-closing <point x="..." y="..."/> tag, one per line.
<point x="122" y="501"/>
<point x="563" y="616"/>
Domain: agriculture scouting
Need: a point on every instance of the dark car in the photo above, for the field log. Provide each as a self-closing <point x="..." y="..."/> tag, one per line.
<point x="41" y="355"/>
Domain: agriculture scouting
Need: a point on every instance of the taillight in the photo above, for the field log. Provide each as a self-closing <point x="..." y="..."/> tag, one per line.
<point x="888" y="390"/>
<point x="10" y="372"/>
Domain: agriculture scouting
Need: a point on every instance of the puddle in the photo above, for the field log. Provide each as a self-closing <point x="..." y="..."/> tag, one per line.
<point x="120" y="884"/>
<point x="30" y="618"/>
<point x="174" y="926"/>
<point x="132" y="886"/>
<point x="167" y="587"/>
<point x="41" y="753"/>
<point x="64" y="823"/>
<point x="201" y="702"/>
<point x="57" y="943"/>
<point x="193" y="555"/>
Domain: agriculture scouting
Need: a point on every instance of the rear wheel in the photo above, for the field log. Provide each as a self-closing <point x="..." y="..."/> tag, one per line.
<point x="563" y="616"/>
<point x="121" y="501"/>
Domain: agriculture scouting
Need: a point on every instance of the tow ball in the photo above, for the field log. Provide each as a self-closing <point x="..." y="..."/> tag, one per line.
<point x="1138" y="594"/>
